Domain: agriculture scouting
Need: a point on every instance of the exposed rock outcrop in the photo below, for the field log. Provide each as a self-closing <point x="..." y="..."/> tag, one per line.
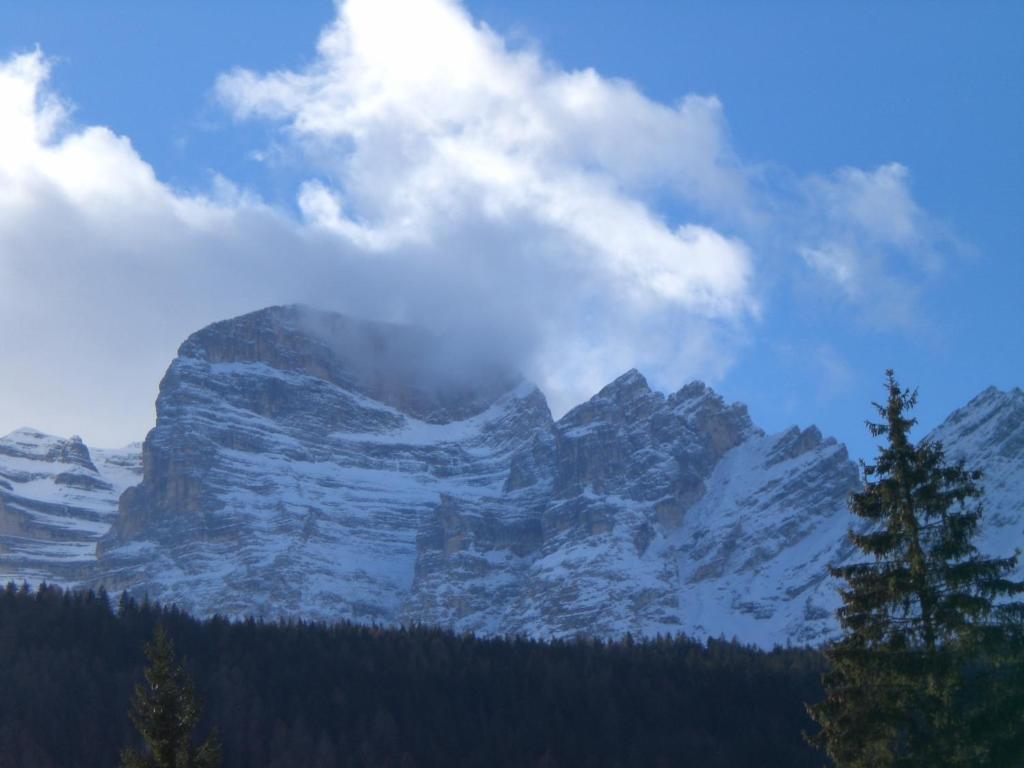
<point x="305" y="464"/>
<point x="56" y="500"/>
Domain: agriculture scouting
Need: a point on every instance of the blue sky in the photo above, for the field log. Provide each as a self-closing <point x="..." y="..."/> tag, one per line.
<point x="790" y="197"/>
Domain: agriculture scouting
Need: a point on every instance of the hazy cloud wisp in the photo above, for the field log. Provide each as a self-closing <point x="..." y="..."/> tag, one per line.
<point x="454" y="182"/>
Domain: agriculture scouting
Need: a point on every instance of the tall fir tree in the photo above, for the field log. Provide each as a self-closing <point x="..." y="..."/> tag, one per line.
<point x="928" y="671"/>
<point x="166" y="714"/>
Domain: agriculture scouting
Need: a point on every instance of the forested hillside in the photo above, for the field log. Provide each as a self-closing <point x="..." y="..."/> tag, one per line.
<point x="345" y="695"/>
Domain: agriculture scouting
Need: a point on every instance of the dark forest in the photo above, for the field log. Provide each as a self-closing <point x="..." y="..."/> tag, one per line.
<point x="300" y="694"/>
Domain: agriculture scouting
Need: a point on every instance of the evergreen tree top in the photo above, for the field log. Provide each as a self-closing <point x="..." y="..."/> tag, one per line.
<point x="165" y="713"/>
<point x="932" y="639"/>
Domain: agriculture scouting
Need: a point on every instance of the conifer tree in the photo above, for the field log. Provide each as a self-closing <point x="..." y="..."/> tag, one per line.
<point x="165" y="713"/>
<point x="928" y="669"/>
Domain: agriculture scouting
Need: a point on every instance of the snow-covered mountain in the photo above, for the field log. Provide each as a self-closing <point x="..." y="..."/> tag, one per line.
<point x="649" y="514"/>
<point x="307" y="464"/>
<point x="988" y="433"/>
<point x="295" y="458"/>
<point x="56" y="499"/>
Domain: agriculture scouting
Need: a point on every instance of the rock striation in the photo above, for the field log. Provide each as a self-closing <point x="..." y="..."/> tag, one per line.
<point x="295" y="456"/>
<point x="57" y="498"/>
<point x="306" y="464"/>
<point x="988" y="433"/>
<point x="649" y="514"/>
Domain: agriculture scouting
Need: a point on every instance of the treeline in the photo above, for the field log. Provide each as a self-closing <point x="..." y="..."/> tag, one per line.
<point x="298" y="694"/>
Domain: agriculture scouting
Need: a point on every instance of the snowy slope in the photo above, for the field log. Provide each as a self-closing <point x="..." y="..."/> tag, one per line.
<point x="988" y="433"/>
<point x="656" y="514"/>
<point x="753" y="554"/>
<point x="305" y="464"/>
<point x="288" y="476"/>
<point x="755" y="550"/>
<point x="57" y="498"/>
<point x="294" y="471"/>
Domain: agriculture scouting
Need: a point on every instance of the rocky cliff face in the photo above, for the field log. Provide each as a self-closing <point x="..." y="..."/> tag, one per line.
<point x="612" y="490"/>
<point x="988" y="433"/>
<point x="56" y="500"/>
<point x="296" y="456"/>
<point x="665" y="514"/>
<point x="306" y="464"/>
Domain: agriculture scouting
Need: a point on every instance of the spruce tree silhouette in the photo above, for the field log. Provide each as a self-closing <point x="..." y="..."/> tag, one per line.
<point x="928" y="671"/>
<point x="166" y="713"/>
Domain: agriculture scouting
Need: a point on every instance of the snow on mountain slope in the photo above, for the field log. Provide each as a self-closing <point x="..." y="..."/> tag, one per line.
<point x="988" y="433"/>
<point x="57" y="498"/>
<point x="753" y="553"/>
<point x="305" y="464"/>
<point x="294" y="457"/>
<point x="654" y="514"/>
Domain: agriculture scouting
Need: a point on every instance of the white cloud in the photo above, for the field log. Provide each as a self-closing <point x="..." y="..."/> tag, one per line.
<point x="838" y="263"/>
<point x="453" y="182"/>
<point x="864" y="234"/>
<point x="422" y="118"/>
<point x="877" y="204"/>
<point x="104" y="269"/>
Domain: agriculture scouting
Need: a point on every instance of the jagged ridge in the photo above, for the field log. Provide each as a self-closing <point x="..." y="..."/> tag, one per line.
<point x="56" y="500"/>
<point x="307" y="464"/>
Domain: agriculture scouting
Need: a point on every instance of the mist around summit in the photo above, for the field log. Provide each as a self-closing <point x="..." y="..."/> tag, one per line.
<point x="449" y="177"/>
<point x="311" y="465"/>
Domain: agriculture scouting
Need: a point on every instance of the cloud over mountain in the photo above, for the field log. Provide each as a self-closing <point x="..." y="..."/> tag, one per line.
<point x="452" y="181"/>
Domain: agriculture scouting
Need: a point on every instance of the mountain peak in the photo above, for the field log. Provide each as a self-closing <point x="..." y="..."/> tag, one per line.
<point x="989" y="403"/>
<point x="694" y="389"/>
<point x="627" y="398"/>
<point x="39" y="446"/>
<point x="632" y="381"/>
<point x="992" y="423"/>
<point x="29" y="435"/>
<point x="309" y="464"/>
<point x="409" y="368"/>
